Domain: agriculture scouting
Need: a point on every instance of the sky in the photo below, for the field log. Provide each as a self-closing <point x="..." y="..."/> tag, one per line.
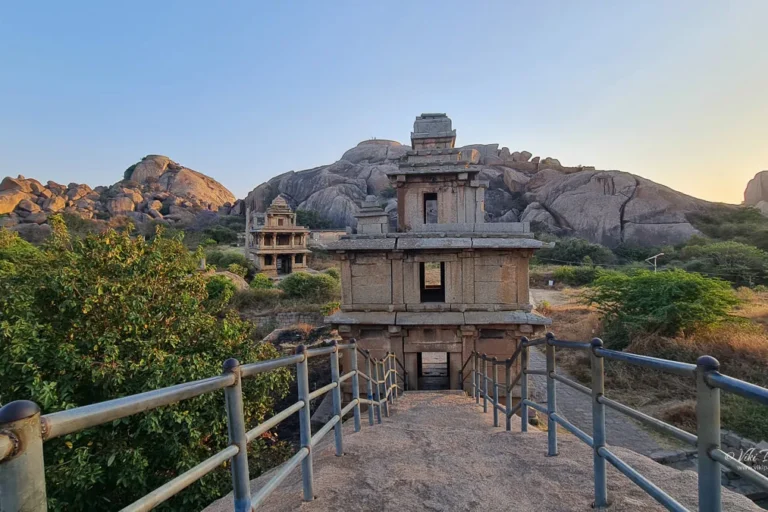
<point x="675" y="91"/>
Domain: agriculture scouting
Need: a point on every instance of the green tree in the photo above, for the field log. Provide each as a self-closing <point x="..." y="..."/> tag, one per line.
<point x="665" y="302"/>
<point x="261" y="282"/>
<point x="310" y="287"/>
<point x="741" y="264"/>
<point x="105" y="316"/>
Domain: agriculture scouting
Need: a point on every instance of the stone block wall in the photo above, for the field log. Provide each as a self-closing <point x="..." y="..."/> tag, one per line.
<point x="486" y="280"/>
<point x="457" y="201"/>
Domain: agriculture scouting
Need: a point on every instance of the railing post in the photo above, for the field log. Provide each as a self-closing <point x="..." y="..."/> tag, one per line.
<point x="598" y="425"/>
<point x="22" y="473"/>
<point x="233" y="397"/>
<point x="551" y="398"/>
<point x="371" y="407"/>
<point x="476" y="377"/>
<point x="708" y="431"/>
<point x="473" y="372"/>
<point x="305" y="427"/>
<point x="485" y="383"/>
<point x="388" y="369"/>
<point x="495" y="392"/>
<point x="355" y="384"/>
<point x="508" y="393"/>
<point x="378" y="389"/>
<point x="524" y="385"/>
<point x="394" y="374"/>
<point x="336" y="397"/>
<point x="383" y="384"/>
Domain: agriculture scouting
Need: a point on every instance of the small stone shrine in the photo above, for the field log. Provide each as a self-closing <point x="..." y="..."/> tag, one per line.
<point x="273" y="240"/>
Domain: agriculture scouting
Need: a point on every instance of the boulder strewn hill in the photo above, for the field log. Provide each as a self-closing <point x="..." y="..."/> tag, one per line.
<point x="155" y="188"/>
<point x="608" y="207"/>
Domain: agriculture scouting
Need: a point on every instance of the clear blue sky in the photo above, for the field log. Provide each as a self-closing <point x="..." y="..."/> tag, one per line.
<point x="676" y="91"/>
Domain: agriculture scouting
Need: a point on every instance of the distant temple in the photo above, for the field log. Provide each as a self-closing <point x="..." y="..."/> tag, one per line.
<point x="273" y="240"/>
<point x="446" y="283"/>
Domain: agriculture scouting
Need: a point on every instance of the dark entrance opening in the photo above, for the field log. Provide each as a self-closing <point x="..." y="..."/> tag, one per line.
<point x="284" y="264"/>
<point x="433" y="370"/>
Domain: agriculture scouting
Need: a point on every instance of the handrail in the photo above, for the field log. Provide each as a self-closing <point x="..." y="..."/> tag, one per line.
<point x="709" y="382"/>
<point x="22" y="477"/>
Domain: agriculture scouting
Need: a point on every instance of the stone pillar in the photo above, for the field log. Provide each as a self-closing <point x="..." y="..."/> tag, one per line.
<point x="247" y="232"/>
<point x="412" y="365"/>
<point x="455" y="361"/>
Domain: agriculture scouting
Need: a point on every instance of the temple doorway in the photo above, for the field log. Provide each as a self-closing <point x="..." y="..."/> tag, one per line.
<point x="433" y="370"/>
<point x="284" y="264"/>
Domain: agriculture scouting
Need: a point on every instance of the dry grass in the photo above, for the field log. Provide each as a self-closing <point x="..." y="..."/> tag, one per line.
<point x="740" y="345"/>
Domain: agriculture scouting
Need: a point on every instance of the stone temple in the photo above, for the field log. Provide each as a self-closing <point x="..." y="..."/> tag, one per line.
<point x="446" y="283"/>
<point x="273" y="240"/>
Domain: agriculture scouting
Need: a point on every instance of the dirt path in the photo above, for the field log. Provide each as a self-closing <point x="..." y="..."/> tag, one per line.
<point x="439" y="452"/>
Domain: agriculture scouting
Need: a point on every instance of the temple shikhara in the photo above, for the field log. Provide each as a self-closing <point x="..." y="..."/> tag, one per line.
<point x="273" y="240"/>
<point x="446" y="283"/>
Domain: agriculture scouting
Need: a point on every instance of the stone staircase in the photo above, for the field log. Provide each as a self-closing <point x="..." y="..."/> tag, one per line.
<point x="438" y="451"/>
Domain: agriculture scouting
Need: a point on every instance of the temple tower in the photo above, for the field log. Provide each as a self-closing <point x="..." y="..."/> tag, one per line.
<point x="445" y="283"/>
<point x="273" y="240"/>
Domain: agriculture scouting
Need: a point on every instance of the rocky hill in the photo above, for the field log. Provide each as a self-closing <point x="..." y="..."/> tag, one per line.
<point x="608" y="207"/>
<point x="156" y="188"/>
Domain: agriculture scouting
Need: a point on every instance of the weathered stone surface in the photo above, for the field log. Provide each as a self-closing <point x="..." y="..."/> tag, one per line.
<point x="10" y="198"/>
<point x="35" y="233"/>
<point x="536" y="213"/>
<point x="155" y="214"/>
<point x="6" y="221"/>
<point x="120" y="205"/>
<point x="138" y="217"/>
<point x="134" y="194"/>
<point x="515" y="180"/>
<point x="757" y="189"/>
<point x="27" y="206"/>
<point x="54" y="204"/>
<point x="75" y="191"/>
<point x="15" y="184"/>
<point x="36" y="217"/>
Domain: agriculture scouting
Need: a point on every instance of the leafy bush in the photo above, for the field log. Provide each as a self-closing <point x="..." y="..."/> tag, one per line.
<point x="260" y="299"/>
<point x="262" y="282"/>
<point x="574" y="250"/>
<point x="665" y="303"/>
<point x="738" y="224"/>
<point x="334" y="273"/>
<point x="330" y="308"/>
<point x="741" y="264"/>
<point x="220" y="291"/>
<point x="238" y="270"/>
<point x="223" y="260"/>
<point x="222" y="234"/>
<point x="308" y="287"/>
<point x="578" y="276"/>
<point x="106" y="316"/>
<point x="312" y="219"/>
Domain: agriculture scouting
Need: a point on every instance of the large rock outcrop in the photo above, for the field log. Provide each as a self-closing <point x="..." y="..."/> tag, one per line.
<point x="154" y="189"/>
<point x="608" y="207"/>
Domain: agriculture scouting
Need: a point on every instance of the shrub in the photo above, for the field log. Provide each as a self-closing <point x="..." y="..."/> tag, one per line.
<point x="577" y="276"/>
<point x="257" y="298"/>
<point x="741" y="264"/>
<point x="262" y="282"/>
<point x="573" y="250"/>
<point x="222" y="234"/>
<point x="334" y="273"/>
<point x="665" y="303"/>
<point x="238" y="270"/>
<point x="330" y="308"/>
<point x="313" y="288"/>
<point x="223" y="260"/>
<point x="107" y="316"/>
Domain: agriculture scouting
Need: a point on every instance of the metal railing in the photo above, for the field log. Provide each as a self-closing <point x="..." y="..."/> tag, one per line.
<point x="23" y="430"/>
<point x="708" y="381"/>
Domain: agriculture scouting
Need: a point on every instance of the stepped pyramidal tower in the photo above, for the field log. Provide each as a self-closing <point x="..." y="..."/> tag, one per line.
<point x="446" y="283"/>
